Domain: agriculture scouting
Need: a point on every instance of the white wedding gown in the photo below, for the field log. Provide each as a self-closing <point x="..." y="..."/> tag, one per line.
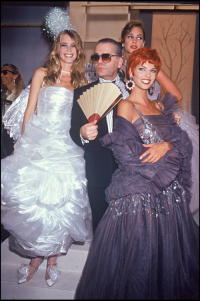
<point x="44" y="198"/>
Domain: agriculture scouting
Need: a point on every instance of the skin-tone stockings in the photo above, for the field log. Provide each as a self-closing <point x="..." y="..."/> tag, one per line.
<point x="35" y="262"/>
<point x="51" y="262"/>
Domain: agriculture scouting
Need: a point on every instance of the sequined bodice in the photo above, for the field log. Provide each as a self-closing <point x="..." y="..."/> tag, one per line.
<point x="54" y="107"/>
<point x="148" y="134"/>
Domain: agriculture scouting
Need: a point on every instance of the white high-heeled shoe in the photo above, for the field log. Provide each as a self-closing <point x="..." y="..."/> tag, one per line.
<point x="23" y="271"/>
<point x="53" y="273"/>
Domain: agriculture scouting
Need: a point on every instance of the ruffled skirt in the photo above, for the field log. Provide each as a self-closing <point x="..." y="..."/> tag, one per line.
<point x="139" y="253"/>
<point x="44" y="198"/>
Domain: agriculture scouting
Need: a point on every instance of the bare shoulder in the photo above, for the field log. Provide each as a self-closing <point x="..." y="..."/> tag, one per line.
<point x="40" y="72"/>
<point x="37" y="81"/>
<point x="125" y="109"/>
<point x="124" y="104"/>
<point x="38" y="77"/>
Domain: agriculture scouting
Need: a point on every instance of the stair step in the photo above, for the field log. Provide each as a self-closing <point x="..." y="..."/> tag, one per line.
<point x="73" y="261"/>
<point x="68" y="279"/>
<point x="22" y="292"/>
<point x="70" y="265"/>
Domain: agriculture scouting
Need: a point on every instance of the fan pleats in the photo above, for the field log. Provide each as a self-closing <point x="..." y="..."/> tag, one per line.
<point x="99" y="99"/>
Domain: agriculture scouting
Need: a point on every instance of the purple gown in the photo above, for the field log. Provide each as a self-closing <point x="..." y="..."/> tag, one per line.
<point x="146" y="245"/>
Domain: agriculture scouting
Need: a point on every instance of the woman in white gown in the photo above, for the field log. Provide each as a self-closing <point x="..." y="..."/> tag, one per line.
<point x="45" y="205"/>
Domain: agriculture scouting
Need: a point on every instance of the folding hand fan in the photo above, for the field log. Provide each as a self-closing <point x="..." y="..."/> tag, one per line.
<point x="97" y="101"/>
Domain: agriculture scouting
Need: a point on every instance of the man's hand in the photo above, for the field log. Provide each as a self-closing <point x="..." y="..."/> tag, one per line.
<point x="155" y="151"/>
<point x="89" y="131"/>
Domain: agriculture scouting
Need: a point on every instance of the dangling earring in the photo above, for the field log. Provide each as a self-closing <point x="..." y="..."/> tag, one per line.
<point x="130" y="84"/>
<point x="151" y="89"/>
<point x="14" y="82"/>
<point x="123" y="50"/>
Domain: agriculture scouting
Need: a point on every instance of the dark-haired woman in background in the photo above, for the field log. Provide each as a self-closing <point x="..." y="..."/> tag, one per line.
<point x="12" y="85"/>
<point x="133" y="38"/>
<point x="146" y="245"/>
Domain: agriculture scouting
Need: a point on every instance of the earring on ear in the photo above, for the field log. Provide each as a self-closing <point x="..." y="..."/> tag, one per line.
<point x="130" y="84"/>
<point x="151" y="89"/>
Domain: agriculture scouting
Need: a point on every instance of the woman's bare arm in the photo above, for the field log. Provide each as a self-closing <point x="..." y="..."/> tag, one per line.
<point x="168" y="84"/>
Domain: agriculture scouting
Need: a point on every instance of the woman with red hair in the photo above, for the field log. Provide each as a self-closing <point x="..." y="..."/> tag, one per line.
<point x="133" y="37"/>
<point x="146" y="245"/>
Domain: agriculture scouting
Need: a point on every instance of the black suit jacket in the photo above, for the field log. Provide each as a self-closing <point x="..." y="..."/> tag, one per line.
<point x="100" y="163"/>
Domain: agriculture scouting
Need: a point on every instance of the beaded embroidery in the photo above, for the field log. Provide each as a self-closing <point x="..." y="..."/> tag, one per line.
<point x="149" y="134"/>
<point x="174" y="194"/>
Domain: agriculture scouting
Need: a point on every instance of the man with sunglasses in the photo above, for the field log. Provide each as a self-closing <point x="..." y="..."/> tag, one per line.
<point x="100" y="163"/>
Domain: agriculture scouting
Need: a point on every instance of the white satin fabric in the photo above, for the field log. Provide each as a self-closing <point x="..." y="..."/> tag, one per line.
<point x="14" y="116"/>
<point x="44" y="198"/>
<point x="188" y="124"/>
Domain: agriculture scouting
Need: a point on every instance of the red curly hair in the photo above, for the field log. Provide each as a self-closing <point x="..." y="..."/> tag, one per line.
<point x="143" y="55"/>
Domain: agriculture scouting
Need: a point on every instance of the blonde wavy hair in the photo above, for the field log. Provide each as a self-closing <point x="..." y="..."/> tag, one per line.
<point x="78" y="78"/>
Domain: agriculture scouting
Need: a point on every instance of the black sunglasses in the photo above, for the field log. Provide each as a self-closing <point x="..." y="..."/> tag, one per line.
<point x="106" y="57"/>
<point x="6" y="72"/>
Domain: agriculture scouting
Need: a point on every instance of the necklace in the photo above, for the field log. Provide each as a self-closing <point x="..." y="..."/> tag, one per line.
<point x="62" y="71"/>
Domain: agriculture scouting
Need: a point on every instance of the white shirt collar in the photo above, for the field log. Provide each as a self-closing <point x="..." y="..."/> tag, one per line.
<point x="102" y="80"/>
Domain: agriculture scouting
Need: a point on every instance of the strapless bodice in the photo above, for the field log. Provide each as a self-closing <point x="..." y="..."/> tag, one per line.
<point x="54" y="105"/>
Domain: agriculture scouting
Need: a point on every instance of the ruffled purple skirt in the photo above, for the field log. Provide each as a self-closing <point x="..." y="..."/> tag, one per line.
<point x="141" y="253"/>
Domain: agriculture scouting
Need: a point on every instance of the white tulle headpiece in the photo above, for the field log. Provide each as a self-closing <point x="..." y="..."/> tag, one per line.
<point x="56" y="21"/>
